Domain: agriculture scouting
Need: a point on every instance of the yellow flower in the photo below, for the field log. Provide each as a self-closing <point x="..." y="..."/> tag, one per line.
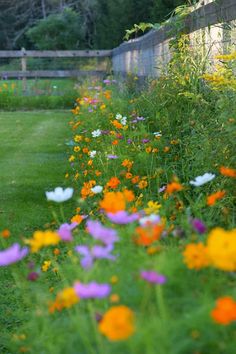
<point x="42" y="239"/>
<point x="65" y="299"/>
<point x="142" y="184"/>
<point x="46" y="265"/>
<point x="78" y="138"/>
<point x="71" y="158"/>
<point x="221" y="249"/>
<point x="152" y="208"/>
<point x="148" y="149"/>
<point x="117" y="323"/>
<point x="196" y="256"/>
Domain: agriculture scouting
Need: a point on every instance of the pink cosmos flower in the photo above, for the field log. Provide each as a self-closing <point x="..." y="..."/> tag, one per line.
<point x="12" y="254"/>
<point x="112" y="157"/>
<point x="92" y="290"/>
<point x="101" y="233"/>
<point x="152" y="277"/>
<point x="122" y="217"/>
<point x="65" y="231"/>
<point x="96" y="252"/>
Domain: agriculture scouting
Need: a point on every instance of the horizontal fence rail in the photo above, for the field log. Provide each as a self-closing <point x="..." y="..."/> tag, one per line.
<point x="25" y="55"/>
<point x="55" y="53"/>
<point x="52" y="73"/>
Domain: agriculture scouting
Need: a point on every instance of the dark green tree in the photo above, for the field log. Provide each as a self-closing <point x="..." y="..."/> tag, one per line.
<point x="61" y="31"/>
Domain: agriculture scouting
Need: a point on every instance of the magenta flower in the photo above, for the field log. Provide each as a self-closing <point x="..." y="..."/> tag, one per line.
<point x="145" y="141"/>
<point x="152" y="277"/>
<point x="96" y="252"/>
<point x="65" y="231"/>
<point x="198" y="226"/>
<point x="101" y="233"/>
<point x="122" y="217"/>
<point x="12" y="254"/>
<point x="33" y="276"/>
<point x="92" y="290"/>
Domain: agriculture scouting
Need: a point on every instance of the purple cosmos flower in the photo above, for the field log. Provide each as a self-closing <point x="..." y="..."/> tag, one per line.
<point x="134" y="121"/>
<point x="140" y="118"/>
<point x="92" y="290"/>
<point x="105" y="132"/>
<point x="106" y="81"/>
<point x="112" y="157"/>
<point x="153" y="277"/>
<point x="101" y="233"/>
<point x="12" y="254"/>
<point x="129" y="141"/>
<point x="145" y="141"/>
<point x="65" y="231"/>
<point x="96" y="252"/>
<point x="198" y="226"/>
<point x="122" y="217"/>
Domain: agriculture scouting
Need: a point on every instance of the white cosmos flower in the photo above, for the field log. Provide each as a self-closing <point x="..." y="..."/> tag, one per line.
<point x="118" y="116"/>
<point x="92" y="154"/>
<point x="97" y="189"/>
<point x="123" y="120"/>
<point x="96" y="133"/>
<point x="157" y="134"/>
<point x="152" y="219"/>
<point x="59" y="195"/>
<point x="200" y="180"/>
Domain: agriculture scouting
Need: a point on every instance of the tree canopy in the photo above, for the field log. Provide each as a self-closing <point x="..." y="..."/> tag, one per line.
<point x="74" y="24"/>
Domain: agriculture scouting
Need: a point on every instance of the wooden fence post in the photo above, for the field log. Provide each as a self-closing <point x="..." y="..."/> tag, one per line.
<point x="23" y="69"/>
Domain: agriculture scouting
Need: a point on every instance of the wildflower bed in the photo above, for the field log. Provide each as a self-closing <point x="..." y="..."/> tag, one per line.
<point x="146" y="262"/>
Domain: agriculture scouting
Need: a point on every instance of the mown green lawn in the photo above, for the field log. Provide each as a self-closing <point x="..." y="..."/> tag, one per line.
<point x="32" y="161"/>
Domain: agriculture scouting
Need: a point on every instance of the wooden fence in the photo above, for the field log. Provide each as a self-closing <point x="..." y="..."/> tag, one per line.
<point x="211" y="27"/>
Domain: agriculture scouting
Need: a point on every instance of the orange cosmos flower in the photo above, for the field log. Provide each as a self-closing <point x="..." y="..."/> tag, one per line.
<point x="115" y="142"/>
<point x="129" y="195"/>
<point x="117" y="323"/>
<point x="107" y="94"/>
<point x="117" y="124"/>
<point x="135" y="179"/>
<point x="98" y="173"/>
<point x="228" y="172"/>
<point x="225" y="311"/>
<point x="128" y="175"/>
<point x="173" y="187"/>
<point x="5" y="233"/>
<point x="86" y="189"/>
<point x="195" y="256"/>
<point x="127" y="163"/>
<point x="113" y="202"/>
<point x="145" y="236"/>
<point x="113" y="182"/>
<point x="211" y="199"/>
<point x="77" y="218"/>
